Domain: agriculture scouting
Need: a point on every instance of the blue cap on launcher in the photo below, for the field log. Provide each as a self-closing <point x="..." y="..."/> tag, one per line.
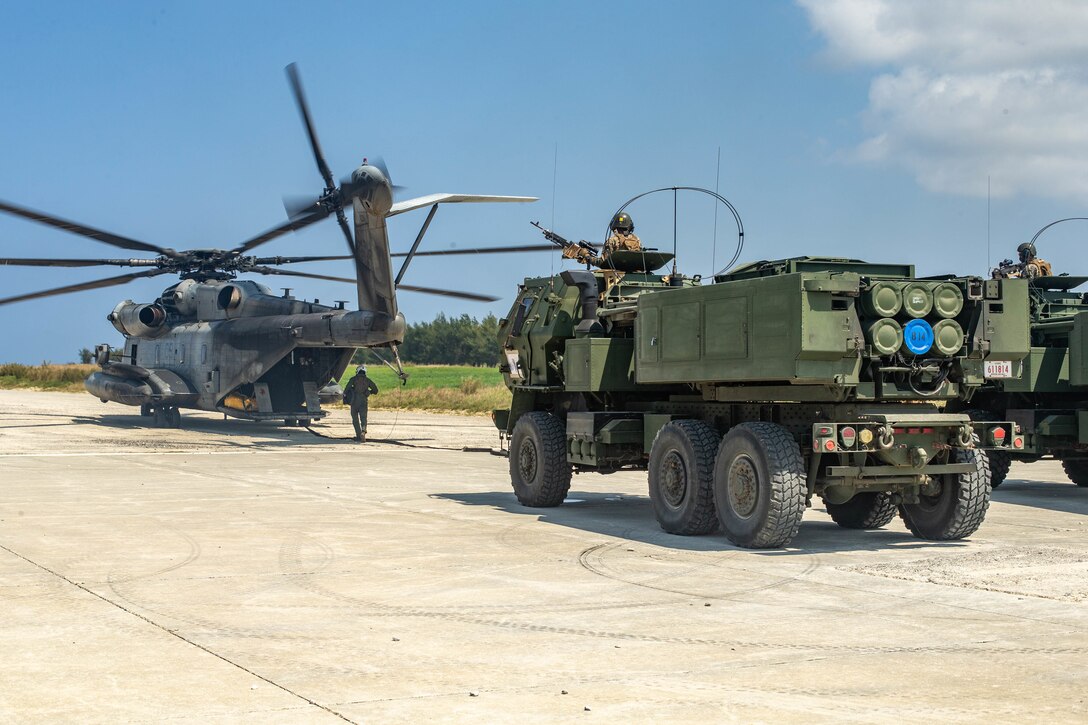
<point x="918" y="336"/>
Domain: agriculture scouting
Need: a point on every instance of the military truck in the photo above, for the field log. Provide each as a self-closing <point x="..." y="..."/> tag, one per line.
<point x="746" y="397"/>
<point x="1049" y="398"/>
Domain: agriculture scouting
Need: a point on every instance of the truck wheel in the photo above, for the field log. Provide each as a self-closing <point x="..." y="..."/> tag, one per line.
<point x="958" y="509"/>
<point x="759" y="485"/>
<point x="681" y="472"/>
<point x="539" y="469"/>
<point x="1077" y="470"/>
<point x="866" y="510"/>
<point x="1000" y="462"/>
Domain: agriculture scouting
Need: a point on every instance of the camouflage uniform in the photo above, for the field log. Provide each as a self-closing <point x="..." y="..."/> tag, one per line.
<point x="1038" y="268"/>
<point x="361" y="388"/>
<point x="622" y="241"/>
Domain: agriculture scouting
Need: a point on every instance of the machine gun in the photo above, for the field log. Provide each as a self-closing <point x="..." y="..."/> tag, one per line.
<point x="583" y="251"/>
<point x="1008" y="269"/>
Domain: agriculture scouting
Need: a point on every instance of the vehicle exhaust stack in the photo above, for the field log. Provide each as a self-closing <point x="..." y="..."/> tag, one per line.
<point x="586" y="283"/>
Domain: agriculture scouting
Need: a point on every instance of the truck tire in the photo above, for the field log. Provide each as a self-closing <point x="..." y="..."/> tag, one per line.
<point x="866" y="510"/>
<point x="539" y="470"/>
<point x="1077" y="470"/>
<point x="958" y="510"/>
<point x="681" y="473"/>
<point x="1000" y="462"/>
<point x="759" y="485"/>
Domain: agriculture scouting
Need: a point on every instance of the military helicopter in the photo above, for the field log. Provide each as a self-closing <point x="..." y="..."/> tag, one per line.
<point x="217" y="343"/>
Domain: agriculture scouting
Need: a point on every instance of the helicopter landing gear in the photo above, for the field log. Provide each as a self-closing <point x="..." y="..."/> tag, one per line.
<point x="165" y="416"/>
<point x="145" y="410"/>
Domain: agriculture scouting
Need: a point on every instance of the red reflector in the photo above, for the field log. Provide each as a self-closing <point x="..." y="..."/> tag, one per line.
<point x="998" y="434"/>
<point x="829" y="445"/>
<point x="1017" y="442"/>
<point x="849" y="436"/>
<point x="824" y="430"/>
<point x="927" y="430"/>
<point x="913" y="431"/>
<point x="899" y="431"/>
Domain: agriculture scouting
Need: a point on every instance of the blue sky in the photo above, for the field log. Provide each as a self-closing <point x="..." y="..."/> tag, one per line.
<point x="846" y="128"/>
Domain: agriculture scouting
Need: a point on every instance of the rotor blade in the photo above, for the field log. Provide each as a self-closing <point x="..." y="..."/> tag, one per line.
<point x="407" y="288"/>
<point x="379" y="163"/>
<point x="298" y="204"/>
<point x="294" y="260"/>
<point x="342" y="220"/>
<point x="290" y="225"/>
<point x="432" y="253"/>
<point x="82" y="230"/>
<point x="448" y="293"/>
<point x="419" y="202"/>
<point x="482" y="250"/>
<point x="78" y="262"/>
<point x="96" y="284"/>
<point x="304" y="110"/>
<point x="289" y="273"/>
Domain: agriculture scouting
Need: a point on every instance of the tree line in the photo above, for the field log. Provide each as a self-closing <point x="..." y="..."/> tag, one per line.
<point x="460" y="340"/>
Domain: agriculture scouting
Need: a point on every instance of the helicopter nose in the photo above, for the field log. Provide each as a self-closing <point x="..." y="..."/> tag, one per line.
<point x="371" y="186"/>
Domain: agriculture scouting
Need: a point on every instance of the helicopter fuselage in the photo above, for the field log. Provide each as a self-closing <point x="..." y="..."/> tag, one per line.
<point x="234" y="347"/>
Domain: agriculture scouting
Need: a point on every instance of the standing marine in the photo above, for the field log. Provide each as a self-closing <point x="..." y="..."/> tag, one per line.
<point x="358" y="390"/>
<point x="1029" y="266"/>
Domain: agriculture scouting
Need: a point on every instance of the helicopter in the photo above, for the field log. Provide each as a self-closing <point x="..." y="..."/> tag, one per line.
<point x="214" y="342"/>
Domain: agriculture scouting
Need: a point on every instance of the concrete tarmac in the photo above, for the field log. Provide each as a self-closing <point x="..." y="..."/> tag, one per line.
<point x="236" y="572"/>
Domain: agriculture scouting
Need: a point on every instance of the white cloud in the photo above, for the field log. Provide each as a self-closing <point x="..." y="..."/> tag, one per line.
<point x="970" y="89"/>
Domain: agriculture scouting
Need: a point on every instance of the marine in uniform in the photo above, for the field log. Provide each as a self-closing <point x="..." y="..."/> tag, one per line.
<point x="623" y="236"/>
<point x="1033" y="266"/>
<point x="1029" y="266"/>
<point x="359" y="389"/>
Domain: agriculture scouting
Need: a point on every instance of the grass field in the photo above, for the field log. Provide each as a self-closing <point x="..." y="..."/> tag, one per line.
<point x="442" y="388"/>
<point x="66" y="378"/>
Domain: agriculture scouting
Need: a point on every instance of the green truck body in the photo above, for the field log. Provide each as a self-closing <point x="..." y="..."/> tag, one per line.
<point x="821" y="377"/>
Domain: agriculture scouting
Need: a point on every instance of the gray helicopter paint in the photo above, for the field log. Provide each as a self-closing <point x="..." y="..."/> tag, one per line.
<point x="198" y="363"/>
<point x="373" y="265"/>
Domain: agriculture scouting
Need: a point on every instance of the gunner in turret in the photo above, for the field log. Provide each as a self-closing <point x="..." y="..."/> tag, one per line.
<point x="623" y="235"/>
<point x="1029" y="267"/>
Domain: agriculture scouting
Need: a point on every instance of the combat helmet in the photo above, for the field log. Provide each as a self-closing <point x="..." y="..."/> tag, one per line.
<point x="622" y="222"/>
<point x="1026" y="252"/>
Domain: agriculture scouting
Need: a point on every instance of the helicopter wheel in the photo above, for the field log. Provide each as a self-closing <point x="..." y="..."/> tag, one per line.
<point x="167" y="417"/>
<point x="145" y="410"/>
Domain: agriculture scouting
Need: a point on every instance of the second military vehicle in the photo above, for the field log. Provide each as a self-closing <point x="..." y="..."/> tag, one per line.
<point x="744" y="398"/>
<point x="1049" y="400"/>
